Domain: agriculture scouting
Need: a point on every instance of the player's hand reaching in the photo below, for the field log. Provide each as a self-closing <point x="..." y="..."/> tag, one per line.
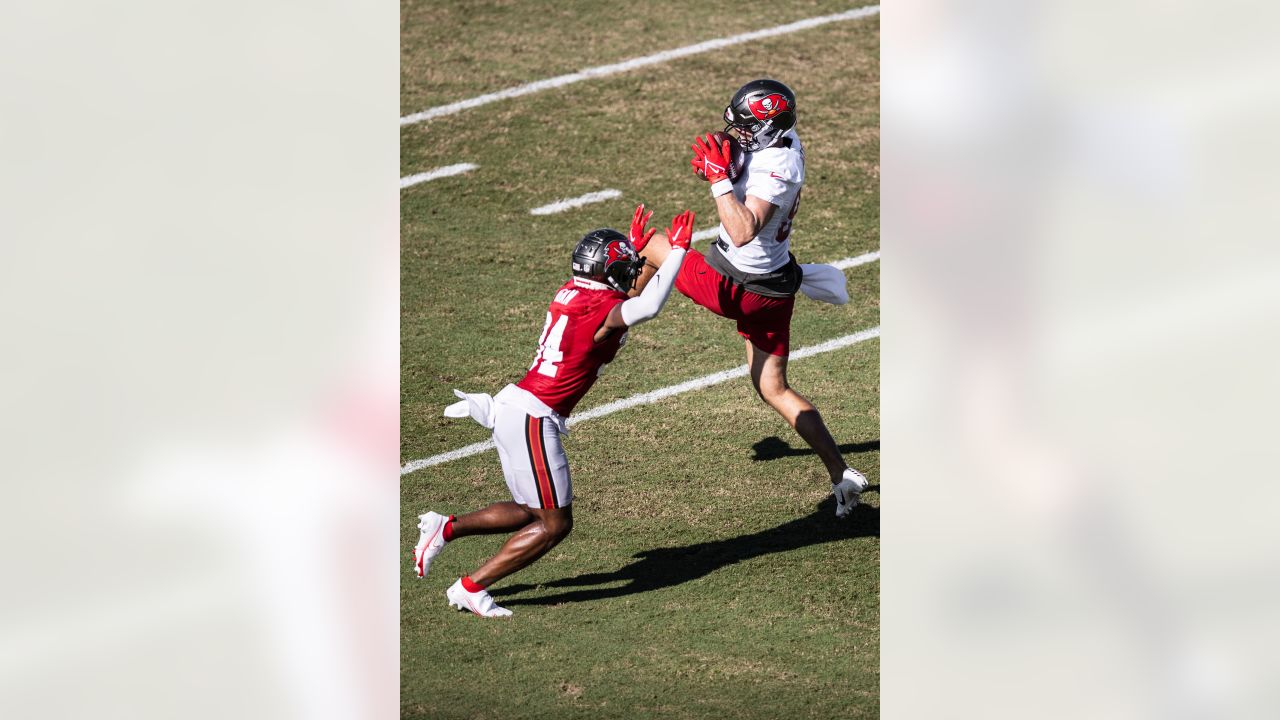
<point x="681" y="232"/>
<point x="711" y="157"/>
<point x="637" y="235"/>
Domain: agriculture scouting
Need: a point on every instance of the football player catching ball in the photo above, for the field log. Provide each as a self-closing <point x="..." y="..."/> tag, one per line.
<point x="748" y="274"/>
<point x="586" y="325"/>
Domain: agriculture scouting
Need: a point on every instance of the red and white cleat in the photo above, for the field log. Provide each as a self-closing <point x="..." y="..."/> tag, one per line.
<point x="430" y="542"/>
<point x="480" y="603"/>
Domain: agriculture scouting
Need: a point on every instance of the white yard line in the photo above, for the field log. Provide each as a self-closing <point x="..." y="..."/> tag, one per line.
<point x="651" y="397"/>
<point x="849" y="262"/>
<point x="450" y="456"/>
<point x="439" y="172"/>
<point x="705" y="234"/>
<point x="615" y="68"/>
<point x="654" y="396"/>
<point x="562" y="205"/>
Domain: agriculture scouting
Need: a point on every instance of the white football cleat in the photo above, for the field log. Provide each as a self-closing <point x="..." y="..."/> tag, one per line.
<point x="847" y="491"/>
<point x="480" y="603"/>
<point x="430" y="542"/>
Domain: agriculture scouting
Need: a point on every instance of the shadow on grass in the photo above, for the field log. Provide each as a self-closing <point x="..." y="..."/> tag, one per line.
<point x="772" y="448"/>
<point x="666" y="567"/>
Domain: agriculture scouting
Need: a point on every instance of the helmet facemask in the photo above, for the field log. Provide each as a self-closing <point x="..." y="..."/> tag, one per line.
<point x="621" y="275"/>
<point x="752" y="136"/>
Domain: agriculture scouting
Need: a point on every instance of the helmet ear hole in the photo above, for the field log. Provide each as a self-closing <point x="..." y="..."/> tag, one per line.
<point x="785" y="122"/>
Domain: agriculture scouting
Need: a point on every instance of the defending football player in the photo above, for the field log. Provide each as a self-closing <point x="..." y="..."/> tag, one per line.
<point x="748" y="274"/>
<point x="586" y="324"/>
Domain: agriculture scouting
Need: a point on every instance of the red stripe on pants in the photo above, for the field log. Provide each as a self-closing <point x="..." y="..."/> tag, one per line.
<point x="537" y="458"/>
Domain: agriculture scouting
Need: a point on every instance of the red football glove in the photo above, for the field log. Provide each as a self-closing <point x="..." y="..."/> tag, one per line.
<point x="637" y="235"/>
<point x="710" y="159"/>
<point x="681" y="232"/>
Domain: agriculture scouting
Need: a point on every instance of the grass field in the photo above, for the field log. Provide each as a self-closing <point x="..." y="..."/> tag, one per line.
<point x="706" y="575"/>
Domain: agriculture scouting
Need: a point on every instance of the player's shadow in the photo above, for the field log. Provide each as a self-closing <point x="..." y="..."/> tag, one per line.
<point x="666" y="567"/>
<point x="772" y="448"/>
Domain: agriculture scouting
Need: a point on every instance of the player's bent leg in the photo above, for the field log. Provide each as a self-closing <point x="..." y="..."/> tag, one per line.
<point x="769" y="377"/>
<point x="550" y="526"/>
<point x="435" y="530"/>
<point x="501" y="517"/>
<point x="531" y="542"/>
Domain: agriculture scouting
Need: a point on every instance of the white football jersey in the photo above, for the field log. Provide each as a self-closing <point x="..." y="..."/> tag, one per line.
<point x="776" y="175"/>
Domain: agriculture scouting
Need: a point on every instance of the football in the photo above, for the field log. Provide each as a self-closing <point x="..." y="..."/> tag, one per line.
<point x="735" y="149"/>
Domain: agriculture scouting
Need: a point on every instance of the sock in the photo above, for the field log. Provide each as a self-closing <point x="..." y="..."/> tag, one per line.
<point x="447" y="533"/>
<point x="470" y="586"/>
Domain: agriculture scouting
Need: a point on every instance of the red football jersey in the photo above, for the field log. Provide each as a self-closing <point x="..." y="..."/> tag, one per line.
<point x="569" y="359"/>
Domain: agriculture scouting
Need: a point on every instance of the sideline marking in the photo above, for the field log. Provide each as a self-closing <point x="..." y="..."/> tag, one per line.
<point x="446" y="171"/>
<point x="562" y="205"/>
<point x="632" y="64"/>
<point x="648" y="398"/>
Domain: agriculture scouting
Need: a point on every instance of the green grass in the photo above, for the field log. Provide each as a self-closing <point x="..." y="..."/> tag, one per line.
<point x="705" y="576"/>
<point x="454" y="50"/>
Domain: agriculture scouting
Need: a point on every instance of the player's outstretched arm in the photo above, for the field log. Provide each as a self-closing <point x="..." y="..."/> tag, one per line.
<point x="650" y="301"/>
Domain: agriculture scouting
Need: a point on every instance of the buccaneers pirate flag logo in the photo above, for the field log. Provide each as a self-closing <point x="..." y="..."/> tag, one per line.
<point x="768" y="106"/>
<point x="617" y="251"/>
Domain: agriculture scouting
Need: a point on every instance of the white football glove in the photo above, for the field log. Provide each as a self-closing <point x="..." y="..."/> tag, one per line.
<point x="847" y="491"/>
